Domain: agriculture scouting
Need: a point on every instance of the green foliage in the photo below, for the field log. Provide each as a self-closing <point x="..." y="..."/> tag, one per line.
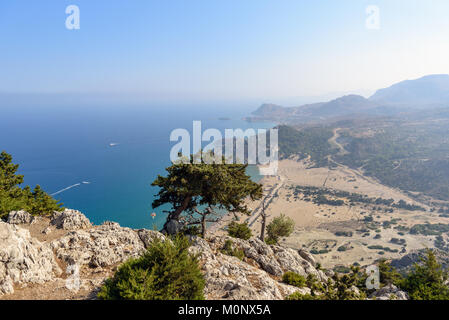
<point x="341" y="287"/>
<point x="388" y="274"/>
<point x="378" y="247"/>
<point x="311" y="142"/>
<point x="191" y="231"/>
<point x="299" y="296"/>
<point x="167" y="271"/>
<point x="429" y="229"/>
<point x="230" y="251"/>
<point x="270" y="241"/>
<point x="343" y="234"/>
<point x="239" y="230"/>
<point x="281" y="226"/>
<point x="13" y="198"/>
<point x="427" y="280"/>
<point x="197" y="189"/>
<point x="294" y="279"/>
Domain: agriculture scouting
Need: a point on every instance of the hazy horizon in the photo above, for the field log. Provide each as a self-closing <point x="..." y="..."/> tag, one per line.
<point x="288" y="52"/>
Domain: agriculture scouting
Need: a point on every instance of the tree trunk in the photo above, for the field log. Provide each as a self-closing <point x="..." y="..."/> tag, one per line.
<point x="264" y="221"/>
<point x="175" y="216"/>
<point x="203" y="226"/>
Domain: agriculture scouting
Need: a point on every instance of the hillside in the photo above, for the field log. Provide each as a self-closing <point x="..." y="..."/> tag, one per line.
<point x="427" y="92"/>
<point x="432" y="89"/>
<point x="66" y="257"/>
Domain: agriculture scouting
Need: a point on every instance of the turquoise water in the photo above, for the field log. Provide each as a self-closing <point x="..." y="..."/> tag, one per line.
<point x="67" y="151"/>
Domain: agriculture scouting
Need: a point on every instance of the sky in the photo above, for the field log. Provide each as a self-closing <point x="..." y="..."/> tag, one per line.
<point x="266" y="50"/>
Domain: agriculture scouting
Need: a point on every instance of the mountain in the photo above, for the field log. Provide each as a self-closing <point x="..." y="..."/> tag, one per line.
<point x="343" y="106"/>
<point x="427" y="92"/>
<point x="432" y="89"/>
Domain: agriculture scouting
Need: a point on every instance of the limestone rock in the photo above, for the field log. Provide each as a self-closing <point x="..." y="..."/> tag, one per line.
<point x="148" y="236"/>
<point x="172" y="227"/>
<point x="232" y="279"/>
<point x="105" y="245"/>
<point x="307" y="256"/>
<point x="97" y="250"/>
<point x="70" y="220"/>
<point x="47" y="230"/>
<point x="23" y="259"/>
<point x="390" y="292"/>
<point x="20" y="217"/>
<point x="275" y="260"/>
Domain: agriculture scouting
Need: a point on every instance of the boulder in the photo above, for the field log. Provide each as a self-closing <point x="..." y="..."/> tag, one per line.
<point x="70" y="220"/>
<point x="148" y="236"/>
<point x="276" y="260"/>
<point x="102" y="246"/>
<point x="172" y="227"/>
<point x="20" y="217"/>
<point x="390" y="292"/>
<point x="229" y="278"/>
<point x="306" y="255"/>
<point x="23" y="259"/>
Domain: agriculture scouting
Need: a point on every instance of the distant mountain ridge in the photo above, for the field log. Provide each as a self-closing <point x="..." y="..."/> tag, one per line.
<point x="426" y="92"/>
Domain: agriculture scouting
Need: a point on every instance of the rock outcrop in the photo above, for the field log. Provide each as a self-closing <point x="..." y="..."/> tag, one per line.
<point x="84" y="250"/>
<point x="390" y="292"/>
<point x="70" y="220"/>
<point x="20" y="217"/>
<point x="275" y="260"/>
<point x="227" y="277"/>
<point x="102" y="246"/>
<point x="23" y="259"/>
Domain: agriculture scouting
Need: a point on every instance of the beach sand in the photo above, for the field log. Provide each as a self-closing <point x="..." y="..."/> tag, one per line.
<point x="315" y="225"/>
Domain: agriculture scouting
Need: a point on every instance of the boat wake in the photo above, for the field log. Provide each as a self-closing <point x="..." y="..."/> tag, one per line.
<point x="70" y="187"/>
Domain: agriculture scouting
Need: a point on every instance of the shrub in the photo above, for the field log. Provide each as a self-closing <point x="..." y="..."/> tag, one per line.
<point x="191" y="231"/>
<point x="281" y="226"/>
<point x="230" y="251"/>
<point x="299" y="296"/>
<point x="13" y="197"/>
<point x="270" y="241"/>
<point x="388" y="274"/>
<point x="294" y="279"/>
<point x="427" y="281"/>
<point x="167" y="271"/>
<point x="343" y="234"/>
<point x="239" y="230"/>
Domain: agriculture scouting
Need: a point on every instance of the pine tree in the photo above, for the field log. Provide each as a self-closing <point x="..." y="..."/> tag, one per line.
<point x="197" y="190"/>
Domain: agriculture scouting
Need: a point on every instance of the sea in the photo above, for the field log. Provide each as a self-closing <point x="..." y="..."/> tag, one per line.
<point x="101" y="160"/>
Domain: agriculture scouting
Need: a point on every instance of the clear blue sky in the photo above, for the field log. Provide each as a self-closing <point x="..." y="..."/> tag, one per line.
<point x="215" y="49"/>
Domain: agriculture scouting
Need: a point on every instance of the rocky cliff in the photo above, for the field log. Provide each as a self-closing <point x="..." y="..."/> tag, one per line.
<point x="66" y="257"/>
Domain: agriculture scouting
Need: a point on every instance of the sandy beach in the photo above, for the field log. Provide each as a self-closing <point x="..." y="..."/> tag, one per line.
<point x="316" y="224"/>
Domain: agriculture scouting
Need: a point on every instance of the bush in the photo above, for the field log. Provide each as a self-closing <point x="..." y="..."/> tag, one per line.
<point x="13" y="198"/>
<point x="191" y="231"/>
<point x="388" y="274"/>
<point x="427" y="281"/>
<point x="230" y="251"/>
<point x="343" y="234"/>
<point x="281" y="226"/>
<point x="239" y="230"/>
<point x="299" y="296"/>
<point x="294" y="279"/>
<point x="167" y="271"/>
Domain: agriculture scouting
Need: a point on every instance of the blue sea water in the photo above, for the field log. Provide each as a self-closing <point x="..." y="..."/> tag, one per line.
<point x="67" y="151"/>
